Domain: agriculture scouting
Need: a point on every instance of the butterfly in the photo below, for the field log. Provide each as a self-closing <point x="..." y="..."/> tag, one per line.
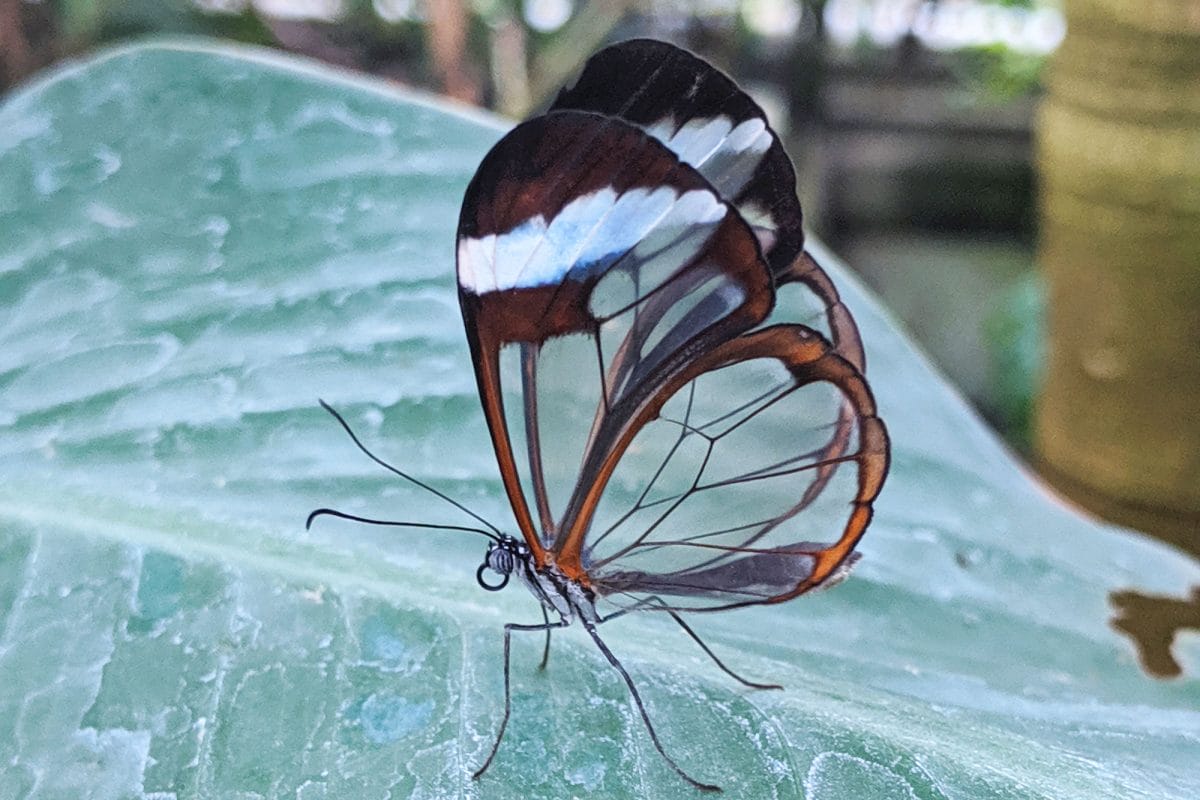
<point x="666" y="442"/>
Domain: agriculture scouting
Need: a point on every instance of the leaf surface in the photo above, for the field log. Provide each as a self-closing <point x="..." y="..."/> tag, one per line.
<point x="197" y="242"/>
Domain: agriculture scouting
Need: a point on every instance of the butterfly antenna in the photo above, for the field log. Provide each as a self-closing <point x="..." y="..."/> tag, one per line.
<point x="333" y="512"/>
<point x="346" y="427"/>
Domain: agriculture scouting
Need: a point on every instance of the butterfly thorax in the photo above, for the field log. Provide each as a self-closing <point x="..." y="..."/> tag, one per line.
<point x="559" y="593"/>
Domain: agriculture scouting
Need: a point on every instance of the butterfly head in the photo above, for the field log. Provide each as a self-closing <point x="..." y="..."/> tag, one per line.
<point x="503" y="556"/>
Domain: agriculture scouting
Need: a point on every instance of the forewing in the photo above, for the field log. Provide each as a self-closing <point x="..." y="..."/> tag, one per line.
<point x="705" y="508"/>
<point x="589" y="253"/>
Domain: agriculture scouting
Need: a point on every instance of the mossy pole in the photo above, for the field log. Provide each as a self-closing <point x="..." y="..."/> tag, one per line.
<point x="1118" y="420"/>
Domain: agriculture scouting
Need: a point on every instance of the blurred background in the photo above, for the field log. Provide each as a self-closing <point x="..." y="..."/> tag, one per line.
<point x="1018" y="179"/>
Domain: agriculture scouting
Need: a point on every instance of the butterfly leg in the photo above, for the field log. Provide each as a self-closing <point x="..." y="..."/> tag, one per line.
<point x="546" y="650"/>
<point x="696" y="638"/>
<point x="637" y="699"/>
<point x="655" y="600"/>
<point x="508" y="629"/>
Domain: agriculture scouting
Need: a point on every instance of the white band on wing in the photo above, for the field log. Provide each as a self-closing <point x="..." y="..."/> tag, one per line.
<point x="725" y="154"/>
<point x="588" y="234"/>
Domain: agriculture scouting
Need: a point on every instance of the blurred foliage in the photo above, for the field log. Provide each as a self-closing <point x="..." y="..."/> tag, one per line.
<point x="85" y="22"/>
<point x="1015" y="333"/>
<point x="482" y="42"/>
<point x="997" y="73"/>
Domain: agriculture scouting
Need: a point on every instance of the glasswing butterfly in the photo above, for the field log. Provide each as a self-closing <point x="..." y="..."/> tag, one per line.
<point x="658" y="427"/>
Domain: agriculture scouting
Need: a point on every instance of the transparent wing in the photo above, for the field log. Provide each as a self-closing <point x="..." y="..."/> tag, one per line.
<point x="604" y="250"/>
<point x="704" y="509"/>
<point x="593" y="265"/>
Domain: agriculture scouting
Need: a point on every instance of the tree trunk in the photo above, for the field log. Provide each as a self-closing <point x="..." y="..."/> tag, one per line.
<point x="1118" y="420"/>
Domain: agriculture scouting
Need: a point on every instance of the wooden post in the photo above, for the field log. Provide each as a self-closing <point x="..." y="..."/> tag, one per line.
<point x="1118" y="420"/>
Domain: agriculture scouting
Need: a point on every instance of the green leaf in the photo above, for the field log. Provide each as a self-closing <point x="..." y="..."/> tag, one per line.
<point x="197" y="242"/>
